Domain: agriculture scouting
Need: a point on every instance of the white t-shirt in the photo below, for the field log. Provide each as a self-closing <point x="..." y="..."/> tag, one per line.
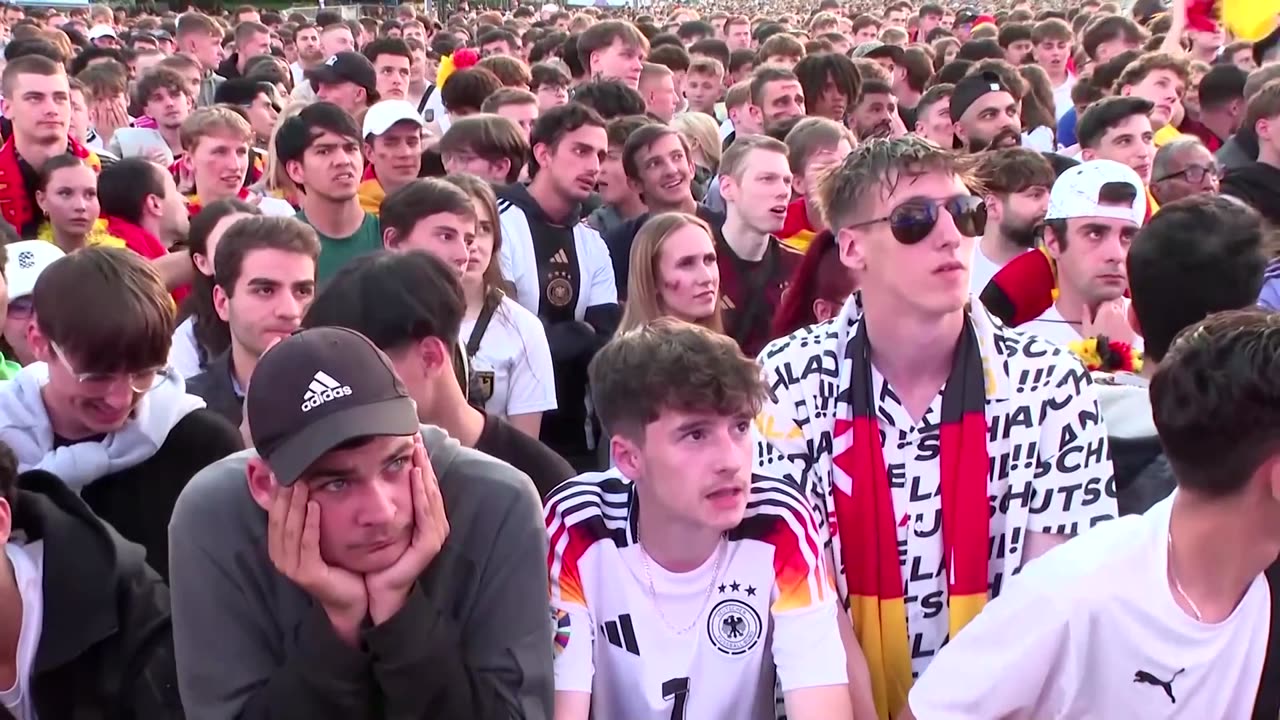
<point x="1092" y="630"/>
<point x="1062" y="97"/>
<point x="771" y="608"/>
<point x="1053" y="327"/>
<point x="981" y="270"/>
<point x="1040" y="140"/>
<point x="184" y="353"/>
<point x="275" y="207"/>
<point x="515" y="353"/>
<point x="28" y="572"/>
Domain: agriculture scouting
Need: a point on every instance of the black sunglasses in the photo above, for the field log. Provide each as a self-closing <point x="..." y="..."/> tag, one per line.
<point x="913" y="220"/>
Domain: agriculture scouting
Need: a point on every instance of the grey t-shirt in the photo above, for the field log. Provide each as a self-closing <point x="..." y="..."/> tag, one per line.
<point x="475" y="635"/>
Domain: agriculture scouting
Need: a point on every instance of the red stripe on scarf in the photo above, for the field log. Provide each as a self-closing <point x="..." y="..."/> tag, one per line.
<point x="868" y="522"/>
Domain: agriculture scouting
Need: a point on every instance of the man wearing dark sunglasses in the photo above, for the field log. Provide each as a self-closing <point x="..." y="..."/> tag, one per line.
<point x="986" y="113"/>
<point x="914" y="404"/>
<point x="1183" y="168"/>
<point x="1095" y="210"/>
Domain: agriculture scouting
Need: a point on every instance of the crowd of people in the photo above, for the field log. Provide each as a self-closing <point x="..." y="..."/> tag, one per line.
<point x="939" y="343"/>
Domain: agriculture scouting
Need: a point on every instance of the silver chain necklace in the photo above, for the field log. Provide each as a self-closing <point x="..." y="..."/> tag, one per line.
<point x="1173" y="575"/>
<point x="653" y="593"/>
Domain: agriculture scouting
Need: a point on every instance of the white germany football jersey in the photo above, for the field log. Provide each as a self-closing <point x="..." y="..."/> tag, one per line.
<point x="771" y="609"/>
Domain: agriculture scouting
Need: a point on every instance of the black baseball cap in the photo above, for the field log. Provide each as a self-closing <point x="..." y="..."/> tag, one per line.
<point x="318" y="389"/>
<point x="972" y="87"/>
<point x="349" y="67"/>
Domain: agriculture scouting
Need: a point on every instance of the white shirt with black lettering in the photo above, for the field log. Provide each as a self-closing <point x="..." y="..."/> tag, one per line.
<point x="1092" y="630"/>
<point x="1049" y="467"/>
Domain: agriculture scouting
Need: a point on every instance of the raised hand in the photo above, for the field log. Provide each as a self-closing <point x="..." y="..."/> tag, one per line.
<point x="1111" y="319"/>
<point x="293" y="543"/>
<point x="387" y="589"/>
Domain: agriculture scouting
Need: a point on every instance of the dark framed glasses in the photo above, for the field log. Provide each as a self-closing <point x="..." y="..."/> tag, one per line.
<point x="913" y="220"/>
<point x="1195" y="174"/>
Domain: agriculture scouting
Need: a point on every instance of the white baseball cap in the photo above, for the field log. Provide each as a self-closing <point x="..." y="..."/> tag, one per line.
<point x="27" y="259"/>
<point x="1077" y="193"/>
<point x="381" y="116"/>
<point x="101" y="31"/>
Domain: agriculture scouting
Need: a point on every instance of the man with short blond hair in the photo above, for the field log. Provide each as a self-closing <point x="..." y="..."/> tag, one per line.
<point x="217" y="141"/>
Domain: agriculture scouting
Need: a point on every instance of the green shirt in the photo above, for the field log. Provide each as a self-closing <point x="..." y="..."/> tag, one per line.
<point x="336" y="252"/>
<point x="8" y="368"/>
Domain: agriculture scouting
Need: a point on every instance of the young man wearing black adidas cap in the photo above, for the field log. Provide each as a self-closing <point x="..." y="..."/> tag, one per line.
<point x="357" y="565"/>
<point x="411" y="306"/>
<point x="347" y="80"/>
<point x="986" y="113"/>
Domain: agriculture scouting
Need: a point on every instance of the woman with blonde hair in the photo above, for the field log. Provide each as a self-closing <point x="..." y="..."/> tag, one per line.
<point x="506" y="345"/>
<point x="703" y="136"/>
<point x="673" y="273"/>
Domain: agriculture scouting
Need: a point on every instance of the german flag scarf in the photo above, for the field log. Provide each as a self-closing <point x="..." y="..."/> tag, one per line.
<point x="868" y="522"/>
<point x="16" y="207"/>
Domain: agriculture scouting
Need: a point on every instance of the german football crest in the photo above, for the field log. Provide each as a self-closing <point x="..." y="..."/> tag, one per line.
<point x="734" y="627"/>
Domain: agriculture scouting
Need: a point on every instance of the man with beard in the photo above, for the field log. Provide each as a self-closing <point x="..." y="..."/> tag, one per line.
<point x="1095" y="209"/>
<point x="1017" y="182"/>
<point x="310" y="54"/>
<point x="776" y="95"/>
<point x="986" y="113"/>
<point x="873" y="116"/>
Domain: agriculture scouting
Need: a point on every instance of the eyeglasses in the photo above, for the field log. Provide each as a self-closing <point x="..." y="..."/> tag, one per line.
<point x="102" y="383"/>
<point x="913" y="220"/>
<point x="1195" y="174"/>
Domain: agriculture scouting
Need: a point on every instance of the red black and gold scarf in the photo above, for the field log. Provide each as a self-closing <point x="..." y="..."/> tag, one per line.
<point x="15" y="202"/>
<point x="867" y="519"/>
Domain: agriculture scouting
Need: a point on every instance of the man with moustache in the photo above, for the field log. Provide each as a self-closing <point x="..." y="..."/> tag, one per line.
<point x="986" y="113"/>
<point x="874" y="113"/>
<point x="1016" y="183"/>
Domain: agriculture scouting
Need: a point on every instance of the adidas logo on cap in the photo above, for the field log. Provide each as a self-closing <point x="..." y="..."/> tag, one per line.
<point x="322" y="389"/>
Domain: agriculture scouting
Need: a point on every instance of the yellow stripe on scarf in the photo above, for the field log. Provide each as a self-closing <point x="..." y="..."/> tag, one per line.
<point x="881" y="628"/>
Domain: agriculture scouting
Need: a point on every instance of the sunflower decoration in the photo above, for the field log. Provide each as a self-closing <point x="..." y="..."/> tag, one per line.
<point x="97" y="237"/>
<point x="1101" y="354"/>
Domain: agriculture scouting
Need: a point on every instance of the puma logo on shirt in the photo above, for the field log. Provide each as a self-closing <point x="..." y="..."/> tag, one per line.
<point x="1142" y="676"/>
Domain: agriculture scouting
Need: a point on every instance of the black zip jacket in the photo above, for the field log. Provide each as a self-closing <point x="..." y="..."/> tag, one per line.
<point x="106" y="643"/>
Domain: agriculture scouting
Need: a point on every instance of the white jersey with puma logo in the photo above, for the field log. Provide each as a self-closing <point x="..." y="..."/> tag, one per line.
<point x="1092" y="630"/>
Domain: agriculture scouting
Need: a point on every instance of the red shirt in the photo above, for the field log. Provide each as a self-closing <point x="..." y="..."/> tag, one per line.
<point x="1194" y="127"/>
